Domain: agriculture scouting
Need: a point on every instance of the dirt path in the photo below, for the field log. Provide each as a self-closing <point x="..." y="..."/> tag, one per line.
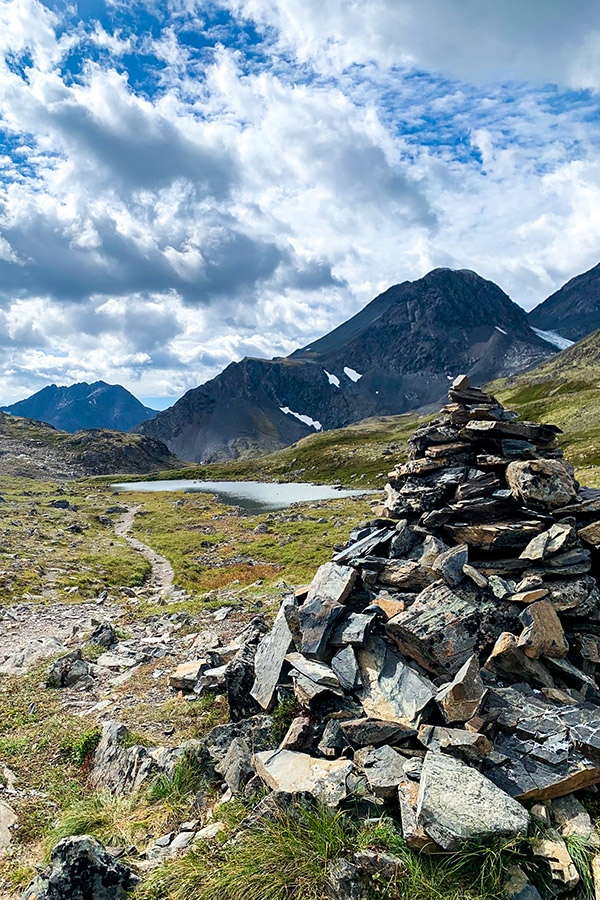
<point x="161" y="576"/>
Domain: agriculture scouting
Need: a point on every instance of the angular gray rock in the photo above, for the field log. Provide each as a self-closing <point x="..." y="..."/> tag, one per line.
<point x="391" y="689"/>
<point x="461" y="698"/>
<point x="81" y="869"/>
<point x="383" y="768"/>
<point x="290" y="772"/>
<point x="323" y="606"/>
<point x="345" y="667"/>
<point x="457" y="804"/>
<point x="343" y="881"/>
<point x="269" y="659"/>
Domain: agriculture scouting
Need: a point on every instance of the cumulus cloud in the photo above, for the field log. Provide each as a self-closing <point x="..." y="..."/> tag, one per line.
<point x="183" y="184"/>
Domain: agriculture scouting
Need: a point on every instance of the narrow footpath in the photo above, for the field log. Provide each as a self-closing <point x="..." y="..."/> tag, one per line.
<point x="161" y="576"/>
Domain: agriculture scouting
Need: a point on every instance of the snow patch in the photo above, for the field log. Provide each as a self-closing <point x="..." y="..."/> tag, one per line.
<point x="352" y="374"/>
<point x="312" y="423"/>
<point x="501" y="330"/>
<point x="332" y="379"/>
<point x="551" y="337"/>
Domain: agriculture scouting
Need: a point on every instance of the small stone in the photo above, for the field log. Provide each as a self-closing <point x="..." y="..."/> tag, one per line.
<point x="210" y="831"/>
<point x="383" y="768"/>
<point x="450" y="564"/>
<point x="458" y="742"/>
<point x="186" y="674"/>
<point x="518" y="887"/>
<point x="373" y="732"/>
<point x="529" y="596"/>
<point x="345" y="668"/>
<point x="553" y="850"/>
<point x="299" y="735"/>
<point x="343" y="881"/>
<point x="461" y="698"/>
<point x="572" y="819"/>
<point x="476" y="577"/>
<point x="542" y="634"/>
<point x="315" y="671"/>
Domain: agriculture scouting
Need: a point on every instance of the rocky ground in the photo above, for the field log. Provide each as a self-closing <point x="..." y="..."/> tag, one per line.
<point x="421" y="720"/>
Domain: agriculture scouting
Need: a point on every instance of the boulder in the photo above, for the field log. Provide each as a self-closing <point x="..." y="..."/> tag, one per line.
<point x="450" y="564"/>
<point x="256" y="731"/>
<point x="457" y="804"/>
<point x="187" y="674"/>
<point x="81" y="869"/>
<point x="541" y="483"/>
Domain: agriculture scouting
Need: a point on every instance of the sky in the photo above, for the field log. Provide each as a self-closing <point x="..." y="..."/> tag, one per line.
<point x="186" y="183"/>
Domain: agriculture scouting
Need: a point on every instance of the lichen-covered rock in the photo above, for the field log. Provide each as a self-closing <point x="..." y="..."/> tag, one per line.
<point x="81" y="869"/>
<point x="541" y="483"/>
<point x="457" y="804"/>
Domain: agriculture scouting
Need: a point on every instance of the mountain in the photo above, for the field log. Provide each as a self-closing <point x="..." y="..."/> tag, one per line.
<point x="574" y="310"/>
<point x="36" y="450"/>
<point x="396" y="354"/>
<point x="83" y="405"/>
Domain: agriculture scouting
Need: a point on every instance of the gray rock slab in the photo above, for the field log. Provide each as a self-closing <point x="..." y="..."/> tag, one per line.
<point x="292" y="772"/>
<point x="269" y="659"/>
<point x="457" y="804"/>
<point x="345" y="667"/>
<point x="391" y="689"/>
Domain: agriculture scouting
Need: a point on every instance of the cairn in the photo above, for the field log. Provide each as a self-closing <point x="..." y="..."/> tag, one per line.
<point x="446" y="659"/>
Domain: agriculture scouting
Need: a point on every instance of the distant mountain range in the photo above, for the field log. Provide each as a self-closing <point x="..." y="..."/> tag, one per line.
<point x="83" y="405"/>
<point x="397" y="354"/>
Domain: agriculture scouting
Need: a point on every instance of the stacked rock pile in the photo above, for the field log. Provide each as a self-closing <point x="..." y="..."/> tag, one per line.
<point x="446" y="659"/>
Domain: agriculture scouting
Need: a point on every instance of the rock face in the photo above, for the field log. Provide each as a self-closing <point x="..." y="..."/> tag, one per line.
<point x="457" y="804"/>
<point x="81" y="869"/>
<point x="393" y="356"/>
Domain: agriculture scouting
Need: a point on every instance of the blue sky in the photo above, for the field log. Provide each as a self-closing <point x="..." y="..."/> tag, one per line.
<point x="185" y="183"/>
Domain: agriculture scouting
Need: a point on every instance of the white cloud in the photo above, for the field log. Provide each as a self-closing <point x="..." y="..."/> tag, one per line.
<point x="228" y="207"/>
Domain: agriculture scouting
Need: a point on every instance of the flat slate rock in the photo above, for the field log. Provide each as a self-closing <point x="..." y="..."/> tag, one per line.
<point x="457" y="804"/>
<point x="286" y="770"/>
<point x="442" y="629"/>
<point x="269" y="659"/>
<point x="391" y="689"/>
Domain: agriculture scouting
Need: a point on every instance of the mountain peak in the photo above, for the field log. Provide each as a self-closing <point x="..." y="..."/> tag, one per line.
<point x="83" y="406"/>
<point x="397" y="354"/>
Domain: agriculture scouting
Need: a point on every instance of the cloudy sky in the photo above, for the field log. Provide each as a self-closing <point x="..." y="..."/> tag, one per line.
<point x="186" y="183"/>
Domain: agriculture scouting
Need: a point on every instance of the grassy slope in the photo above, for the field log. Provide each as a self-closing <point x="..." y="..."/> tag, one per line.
<point x="565" y="392"/>
<point x="332" y="457"/>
